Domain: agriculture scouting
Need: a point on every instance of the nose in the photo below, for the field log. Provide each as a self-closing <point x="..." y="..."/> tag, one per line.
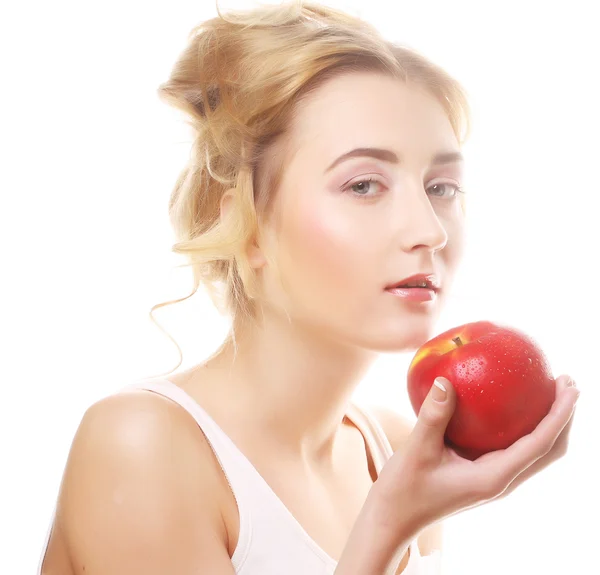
<point x="420" y="226"/>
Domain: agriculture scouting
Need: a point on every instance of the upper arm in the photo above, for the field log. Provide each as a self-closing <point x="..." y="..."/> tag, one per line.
<point x="138" y="495"/>
<point x="397" y="429"/>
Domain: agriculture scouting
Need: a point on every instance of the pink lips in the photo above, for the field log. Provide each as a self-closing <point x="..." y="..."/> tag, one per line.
<point x="429" y="279"/>
<point x="413" y="294"/>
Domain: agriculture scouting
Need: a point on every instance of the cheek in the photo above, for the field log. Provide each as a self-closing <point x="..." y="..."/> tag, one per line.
<point x="322" y="239"/>
<point x="322" y="248"/>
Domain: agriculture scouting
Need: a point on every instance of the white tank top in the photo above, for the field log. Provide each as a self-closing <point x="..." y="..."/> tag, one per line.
<point x="271" y="541"/>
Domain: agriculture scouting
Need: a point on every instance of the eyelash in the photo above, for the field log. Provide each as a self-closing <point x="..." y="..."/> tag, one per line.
<point x="371" y="180"/>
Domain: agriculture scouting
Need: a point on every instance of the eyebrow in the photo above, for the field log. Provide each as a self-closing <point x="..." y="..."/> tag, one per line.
<point x="392" y="157"/>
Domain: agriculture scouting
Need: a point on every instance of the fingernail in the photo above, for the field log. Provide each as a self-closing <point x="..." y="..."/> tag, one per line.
<point x="439" y="392"/>
<point x="570" y="383"/>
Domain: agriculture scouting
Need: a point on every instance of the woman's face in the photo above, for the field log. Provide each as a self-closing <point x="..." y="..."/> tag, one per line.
<point x="346" y="228"/>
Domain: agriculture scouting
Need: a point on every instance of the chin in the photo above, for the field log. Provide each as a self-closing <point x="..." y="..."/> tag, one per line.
<point x="401" y="332"/>
<point x="409" y="331"/>
<point x="408" y="339"/>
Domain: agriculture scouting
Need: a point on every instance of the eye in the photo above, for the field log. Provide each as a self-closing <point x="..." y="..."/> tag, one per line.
<point x="445" y="190"/>
<point x="365" y="188"/>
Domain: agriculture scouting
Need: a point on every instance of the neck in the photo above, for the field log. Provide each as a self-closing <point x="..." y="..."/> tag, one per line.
<point x="293" y="382"/>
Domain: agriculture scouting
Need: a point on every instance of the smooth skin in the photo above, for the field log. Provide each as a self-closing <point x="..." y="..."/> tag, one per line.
<point x="142" y="491"/>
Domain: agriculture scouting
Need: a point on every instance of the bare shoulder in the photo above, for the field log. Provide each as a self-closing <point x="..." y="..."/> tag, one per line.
<point x="140" y="491"/>
<point x="397" y="428"/>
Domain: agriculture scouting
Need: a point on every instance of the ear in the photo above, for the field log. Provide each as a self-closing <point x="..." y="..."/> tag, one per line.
<point x="253" y="251"/>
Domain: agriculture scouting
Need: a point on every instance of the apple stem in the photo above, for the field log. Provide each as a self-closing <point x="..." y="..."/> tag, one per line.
<point x="457" y="341"/>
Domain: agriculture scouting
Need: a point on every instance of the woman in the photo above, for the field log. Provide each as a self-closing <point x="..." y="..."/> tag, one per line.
<point x="326" y="170"/>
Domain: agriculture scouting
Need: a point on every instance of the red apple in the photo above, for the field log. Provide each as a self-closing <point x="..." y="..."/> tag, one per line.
<point x="503" y="382"/>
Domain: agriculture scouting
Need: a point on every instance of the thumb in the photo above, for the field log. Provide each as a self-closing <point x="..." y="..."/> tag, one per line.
<point x="427" y="436"/>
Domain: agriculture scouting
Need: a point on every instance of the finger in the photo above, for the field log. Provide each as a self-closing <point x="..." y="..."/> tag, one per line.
<point x="427" y="436"/>
<point x="509" y="463"/>
<point x="559" y="449"/>
<point x="563" y="382"/>
<point x="560" y="446"/>
<point x="542" y="440"/>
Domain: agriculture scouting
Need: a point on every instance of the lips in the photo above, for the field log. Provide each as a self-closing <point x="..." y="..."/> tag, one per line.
<point x="423" y="280"/>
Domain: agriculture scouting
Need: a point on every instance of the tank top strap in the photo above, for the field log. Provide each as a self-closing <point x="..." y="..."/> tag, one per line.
<point x="375" y="437"/>
<point x="237" y="469"/>
<point x="381" y="450"/>
<point x="227" y="452"/>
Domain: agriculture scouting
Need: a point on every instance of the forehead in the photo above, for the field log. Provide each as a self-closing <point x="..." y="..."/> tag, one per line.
<point x="362" y="109"/>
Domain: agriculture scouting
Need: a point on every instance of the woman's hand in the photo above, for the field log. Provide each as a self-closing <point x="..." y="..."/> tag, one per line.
<point x="428" y="481"/>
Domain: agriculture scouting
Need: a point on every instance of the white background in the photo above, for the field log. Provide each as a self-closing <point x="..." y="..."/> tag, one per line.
<point x="89" y="156"/>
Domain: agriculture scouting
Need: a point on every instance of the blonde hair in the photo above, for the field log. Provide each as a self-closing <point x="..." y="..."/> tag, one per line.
<point x="239" y="81"/>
